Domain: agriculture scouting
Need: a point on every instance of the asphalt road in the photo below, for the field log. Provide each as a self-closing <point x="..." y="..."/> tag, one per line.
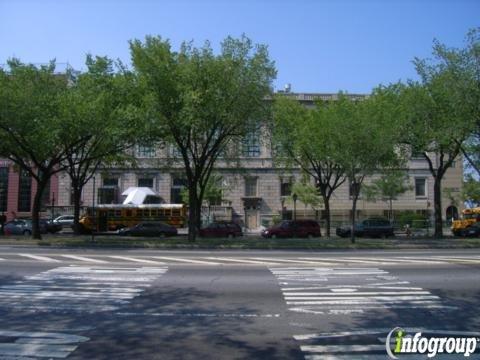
<point x="140" y="304"/>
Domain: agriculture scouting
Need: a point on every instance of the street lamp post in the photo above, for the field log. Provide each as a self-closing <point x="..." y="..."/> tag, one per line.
<point x="294" y="197"/>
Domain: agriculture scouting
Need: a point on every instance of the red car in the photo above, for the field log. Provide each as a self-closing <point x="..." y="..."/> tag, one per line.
<point x="290" y="228"/>
<point x="221" y="229"/>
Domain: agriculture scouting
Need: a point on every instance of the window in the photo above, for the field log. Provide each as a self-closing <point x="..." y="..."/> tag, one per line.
<point x="251" y="145"/>
<point x="107" y="195"/>
<point x="285" y="188"/>
<point x="3" y="188"/>
<point x="178" y="184"/>
<point x="351" y="188"/>
<point x="145" y="151"/>
<point x="250" y="186"/>
<point x="420" y="187"/>
<point x="110" y="181"/>
<point x="176" y="153"/>
<point x="24" y="191"/>
<point x="145" y="182"/>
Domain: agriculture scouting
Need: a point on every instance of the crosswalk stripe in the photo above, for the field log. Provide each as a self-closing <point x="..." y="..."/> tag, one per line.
<point x="243" y="261"/>
<point x="82" y="258"/>
<point x="326" y="261"/>
<point x="341" y="348"/>
<point x="38" y="257"/>
<point x="146" y="261"/>
<point x="192" y="261"/>
<point x="284" y="260"/>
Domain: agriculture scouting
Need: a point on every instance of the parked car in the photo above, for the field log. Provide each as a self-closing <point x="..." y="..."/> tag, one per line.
<point x="48" y="226"/>
<point x="24" y="227"/>
<point x="373" y="227"/>
<point x="64" y="220"/>
<point x="470" y="231"/>
<point x="149" y="229"/>
<point x="221" y="229"/>
<point x="293" y="228"/>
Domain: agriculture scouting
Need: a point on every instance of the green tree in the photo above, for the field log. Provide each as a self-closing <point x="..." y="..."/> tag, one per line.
<point x="202" y="102"/>
<point x="308" y="139"/>
<point x="368" y="141"/>
<point x="388" y="187"/>
<point x="437" y="121"/>
<point x="104" y="117"/>
<point x="471" y="191"/>
<point x="31" y="124"/>
<point x="308" y="194"/>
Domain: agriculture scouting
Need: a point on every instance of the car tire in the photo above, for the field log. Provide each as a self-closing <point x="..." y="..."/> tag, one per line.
<point x="231" y="236"/>
<point x="27" y="232"/>
<point x="273" y="236"/>
<point x="161" y="235"/>
<point x="310" y="236"/>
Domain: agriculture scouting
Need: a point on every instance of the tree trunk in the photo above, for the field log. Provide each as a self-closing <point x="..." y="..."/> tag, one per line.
<point x="37" y="203"/>
<point x="326" y="201"/>
<point x="192" y="213"/>
<point x="437" y="206"/>
<point x="391" y="211"/>
<point x="77" y="194"/>
<point x="352" y="225"/>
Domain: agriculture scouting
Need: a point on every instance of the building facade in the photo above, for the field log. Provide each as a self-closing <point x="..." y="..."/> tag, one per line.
<point x="256" y="190"/>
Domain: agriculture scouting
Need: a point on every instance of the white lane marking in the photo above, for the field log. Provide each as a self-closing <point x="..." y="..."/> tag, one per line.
<point x="38" y="257"/>
<point x="341" y="348"/>
<point x="417" y="259"/>
<point x="345" y="357"/>
<point x="340" y="295"/>
<point x="286" y="260"/>
<point x="431" y="301"/>
<point x="243" y="261"/>
<point x="454" y="259"/>
<point x="221" y="315"/>
<point x="127" y="258"/>
<point x="192" y="261"/>
<point x="362" y="260"/>
<point x="82" y="258"/>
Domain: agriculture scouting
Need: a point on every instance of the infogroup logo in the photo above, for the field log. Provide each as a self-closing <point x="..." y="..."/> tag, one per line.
<point x="418" y="343"/>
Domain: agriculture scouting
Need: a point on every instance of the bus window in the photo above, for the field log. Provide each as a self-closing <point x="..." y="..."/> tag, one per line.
<point x="111" y="213"/>
<point x="118" y="213"/>
<point x="153" y="212"/>
<point x="128" y="213"/>
<point x="175" y="212"/>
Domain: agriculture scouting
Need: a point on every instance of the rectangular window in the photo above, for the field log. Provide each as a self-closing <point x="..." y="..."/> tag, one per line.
<point x="145" y="182"/>
<point x="285" y="188"/>
<point x="145" y="151"/>
<point x="3" y="188"/>
<point x="24" y="191"/>
<point x="178" y="184"/>
<point x="420" y="187"/>
<point x="107" y="195"/>
<point x="250" y="186"/>
<point x="251" y="145"/>
<point x="110" y="181"/>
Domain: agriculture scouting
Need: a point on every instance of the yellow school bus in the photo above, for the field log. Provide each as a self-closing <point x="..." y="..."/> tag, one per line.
<point x="469" y="217"/>
<point x="116" y="216"/>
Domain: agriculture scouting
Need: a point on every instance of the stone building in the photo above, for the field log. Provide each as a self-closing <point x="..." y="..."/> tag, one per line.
<point x="256" y="190"/>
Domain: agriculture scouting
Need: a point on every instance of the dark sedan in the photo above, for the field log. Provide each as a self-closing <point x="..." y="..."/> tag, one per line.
<point x="471" y="231"/>
<point x="374" y="227"/>
<point x="157" y="229"/>
<point x="24" y="227"/>
<point x="221" y="229"/>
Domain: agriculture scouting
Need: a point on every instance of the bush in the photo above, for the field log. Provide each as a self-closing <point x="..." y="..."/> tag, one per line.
<point x="415" y="221"/>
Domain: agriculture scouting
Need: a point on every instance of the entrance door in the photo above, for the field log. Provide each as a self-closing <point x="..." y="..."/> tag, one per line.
<point x="252" y="219"/>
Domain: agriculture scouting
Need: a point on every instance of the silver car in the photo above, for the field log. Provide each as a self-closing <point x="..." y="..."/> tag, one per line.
<point x="18" y="227"/>
<point x="64" y="220"/>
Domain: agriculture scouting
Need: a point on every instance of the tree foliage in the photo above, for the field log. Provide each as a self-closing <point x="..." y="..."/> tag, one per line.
<point x="103" y="113"/>
<point x="32" y="127"/>
<point x="202" y="102"/>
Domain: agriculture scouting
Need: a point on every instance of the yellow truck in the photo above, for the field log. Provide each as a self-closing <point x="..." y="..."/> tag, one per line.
<point x="469" y="217"/>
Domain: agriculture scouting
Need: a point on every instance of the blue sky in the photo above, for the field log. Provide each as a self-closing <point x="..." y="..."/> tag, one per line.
<point x="318" y="46"/>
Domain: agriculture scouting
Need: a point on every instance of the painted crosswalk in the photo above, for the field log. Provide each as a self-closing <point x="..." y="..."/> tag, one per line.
<point x="368" y="344"/>
<point x="79" y="288"/>
<point x="23" y="345"/>
<point x="280" y="261"/>
<point x="339" y="291"/>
